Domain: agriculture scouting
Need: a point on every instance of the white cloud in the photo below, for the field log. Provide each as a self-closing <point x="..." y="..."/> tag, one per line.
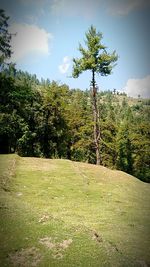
<point x="118" y="7"/>
<point x="135" y="87"/>
<point x="29" y="39"/>
<point x="63" y="68"/>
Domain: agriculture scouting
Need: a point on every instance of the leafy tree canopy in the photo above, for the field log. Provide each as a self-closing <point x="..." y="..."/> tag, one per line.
<point x="94" y="57"/>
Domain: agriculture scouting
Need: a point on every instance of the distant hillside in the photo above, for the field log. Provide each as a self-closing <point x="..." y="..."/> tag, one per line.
<point x="120" y="97"/>
<point x="68" y="214"/>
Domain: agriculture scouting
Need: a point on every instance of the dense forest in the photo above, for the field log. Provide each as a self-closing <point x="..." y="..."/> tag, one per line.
<point x="48" y="119"/>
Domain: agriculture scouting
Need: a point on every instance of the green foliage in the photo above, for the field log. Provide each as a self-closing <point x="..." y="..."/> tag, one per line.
<point x="124" y="159"/>
<point x="124" y="149"/>
<point x="80" y="130"/>
<point x="141" y="146"/>
<point x="5" y="38"/>
<point x="108" y="130"/>
<point x="95" y="57"/>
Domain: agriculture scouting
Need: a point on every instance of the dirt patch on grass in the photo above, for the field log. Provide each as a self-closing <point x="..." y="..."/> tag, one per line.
<point x="142" y="263"/>
<point x="65" y="243"/>
<point x="57" y="248"/>
<point x="43" y="219"/>
<point x="25" y="257"/>
<point x="97" y="237"/>
<point x="47" y="242"/>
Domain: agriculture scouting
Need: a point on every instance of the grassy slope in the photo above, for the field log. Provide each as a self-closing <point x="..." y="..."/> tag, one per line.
<point x="64" y="213"/>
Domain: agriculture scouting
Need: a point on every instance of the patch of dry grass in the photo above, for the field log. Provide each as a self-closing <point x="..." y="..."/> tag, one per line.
<point x="25" y="257"/>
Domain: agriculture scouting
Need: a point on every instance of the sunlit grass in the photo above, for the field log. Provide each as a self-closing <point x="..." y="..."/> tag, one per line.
<point x="104" y="213"/>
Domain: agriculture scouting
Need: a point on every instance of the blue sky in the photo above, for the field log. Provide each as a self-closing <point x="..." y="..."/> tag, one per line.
<point x="49" y="32"/>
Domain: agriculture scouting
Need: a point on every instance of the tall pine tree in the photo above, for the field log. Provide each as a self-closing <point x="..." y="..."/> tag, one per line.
<point x="96" y="59"/>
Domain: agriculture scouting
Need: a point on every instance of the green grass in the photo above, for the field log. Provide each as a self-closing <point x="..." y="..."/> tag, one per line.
<point x="69" y="214"/>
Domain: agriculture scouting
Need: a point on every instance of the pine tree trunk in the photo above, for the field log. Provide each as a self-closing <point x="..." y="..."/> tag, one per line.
<point x="96" y="121"/>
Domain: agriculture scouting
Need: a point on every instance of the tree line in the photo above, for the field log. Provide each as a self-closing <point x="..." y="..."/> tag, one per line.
<point x="50" y="120"/>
